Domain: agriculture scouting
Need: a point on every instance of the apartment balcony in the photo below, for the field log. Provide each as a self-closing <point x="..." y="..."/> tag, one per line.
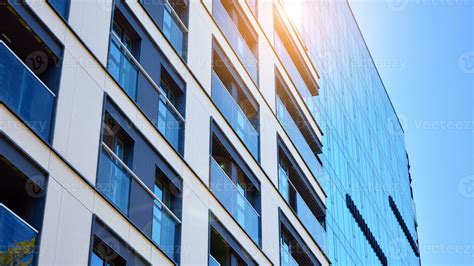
<point x="174" y="29"/>
<point x="170" y="123"/>
<point x="302" y="210"/>
<point x="295" y="75"/>
<point x="126" y="70"/>
<point x="235" y="38"/>
<point x="286" y="258"/>
<point x="234" y="201"/>
<point x="235" y="116"/>
<point x="114" y="181"/>
<point x="165" y="229"/>
<point x="212" y="261"/>
<point x="25" y="94"/>
<point x="18" y="239"/>
<point x="291" y="128"/>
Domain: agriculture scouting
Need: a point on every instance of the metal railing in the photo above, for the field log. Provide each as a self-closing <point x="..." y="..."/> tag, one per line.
<point x="123" y="166"/>
<point x="180" y="121"/>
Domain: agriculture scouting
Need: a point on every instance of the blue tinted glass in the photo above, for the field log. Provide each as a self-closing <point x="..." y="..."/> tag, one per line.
<point x="62" y="6"/>
<point x="363" y="146"/>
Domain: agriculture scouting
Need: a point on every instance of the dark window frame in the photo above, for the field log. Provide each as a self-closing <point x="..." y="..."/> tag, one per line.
<point x="216" y="224"/>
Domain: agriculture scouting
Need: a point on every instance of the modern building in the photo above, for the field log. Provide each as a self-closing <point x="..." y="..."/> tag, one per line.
<point x="194" y="132"/>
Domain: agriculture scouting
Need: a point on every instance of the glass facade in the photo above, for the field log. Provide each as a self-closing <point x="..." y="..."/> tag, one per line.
<point x="363" y="147"/>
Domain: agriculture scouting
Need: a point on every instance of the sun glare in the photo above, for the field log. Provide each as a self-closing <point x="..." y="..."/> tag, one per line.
<point x="294" y="10"/>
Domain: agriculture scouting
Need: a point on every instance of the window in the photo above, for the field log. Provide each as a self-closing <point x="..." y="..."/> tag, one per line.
<point x="116" y="158"/>
<point x="170" y="110"/>
<point x="151" y="202"/>
<point x="124" y="47"/>
<point x="122" y="36"/>
<point x="108" y="249"/>
<point x="103" y="255"/>
<point x="221" y="253"/>
<point x="172" y="19"/>
<point x="293" y="251"/>
<point x="165" y="215"/>
<point x="161" y="91"/>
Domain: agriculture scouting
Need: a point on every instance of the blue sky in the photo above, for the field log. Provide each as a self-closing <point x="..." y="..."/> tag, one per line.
<point x="424" y="50"/>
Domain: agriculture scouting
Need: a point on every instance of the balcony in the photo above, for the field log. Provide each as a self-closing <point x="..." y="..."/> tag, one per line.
<point x="25" y="94"/>
<point x="174" y="29"/>
<point x="126" y="70"/>
<point x="165" y="229"/>
<point x="302" y="210"/>
<point x="213" y="262"/>
<point x="295" y="75"/>
<point x="18" y="239"/>
<point x="234" y="201"/>
<point x="235" y="38"/>
<point x="294" y="133"/>
<point x="170" y="123"/>
<point x="114" y="181"/>
<point x="286" y="258"/>
<point x="235" y="116"/>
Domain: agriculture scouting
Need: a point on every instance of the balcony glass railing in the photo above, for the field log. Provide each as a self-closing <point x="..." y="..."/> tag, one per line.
<point x="114" y="182"/>
<point x="286" y="258"/>
<point x="114" y="179"/>
<point x="123" y="67"/>
<point x="213" y="262"/>
<point x="303" y="211"/>
<point x="25" y="94"/>
<point x="17" y="239"/>
<point x="300" y="142"/>
<point x="295" y="75"/>
<point x="165" y="229"/>
<point x="174" y="29"/>
<point x="234" y="114"/>
<point x="234" y="201"/>
<point x="236" y="40"/>
<point x="170" y="123"/>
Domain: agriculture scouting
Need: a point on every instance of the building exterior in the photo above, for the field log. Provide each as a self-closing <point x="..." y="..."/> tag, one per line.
<point x="193" y="132"/>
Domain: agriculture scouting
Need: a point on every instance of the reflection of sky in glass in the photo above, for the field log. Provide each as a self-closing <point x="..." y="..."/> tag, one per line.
<point x="425" y="54"/>
<point x="424" y="51"/>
